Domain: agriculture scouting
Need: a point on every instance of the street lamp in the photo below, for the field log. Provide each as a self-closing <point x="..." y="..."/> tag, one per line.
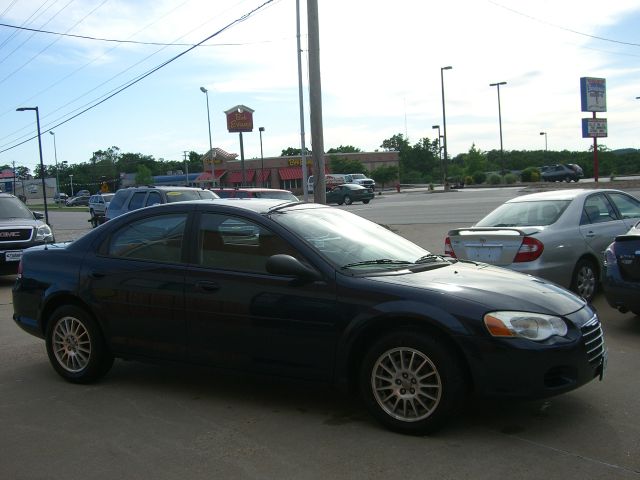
<point x="206" y="92"/>
<point x="545" y="140"/>
<point x="71" y="180"/>
<point x="497" y="85"/>
<point x="42" y="172"/>
<point x="261" y="129"/>
<point x="440" y="152"/>
<point x="55" y="152"/>
<point x="444" y="125"/>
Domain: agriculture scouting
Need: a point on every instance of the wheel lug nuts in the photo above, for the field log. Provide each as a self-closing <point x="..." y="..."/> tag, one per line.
<point x="413" y="380"/>
<point x="412" y="391"/>
<point x="403" y="391"/>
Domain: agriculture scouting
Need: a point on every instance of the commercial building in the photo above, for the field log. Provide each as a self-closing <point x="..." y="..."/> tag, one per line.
<point x="225" y="169"/>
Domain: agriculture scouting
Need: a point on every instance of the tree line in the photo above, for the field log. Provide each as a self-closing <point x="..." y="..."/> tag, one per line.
<point x="420" y="163"/>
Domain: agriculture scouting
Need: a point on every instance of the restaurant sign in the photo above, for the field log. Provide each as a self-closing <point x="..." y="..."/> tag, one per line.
<point x="239" y="119"/>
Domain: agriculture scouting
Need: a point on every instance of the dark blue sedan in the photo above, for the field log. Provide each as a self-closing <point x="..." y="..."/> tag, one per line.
<point x="621" y="282"/>
<point x="308" y="291"/>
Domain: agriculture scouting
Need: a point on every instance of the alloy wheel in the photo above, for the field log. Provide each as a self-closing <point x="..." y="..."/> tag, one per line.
<point x="406" y="384"/>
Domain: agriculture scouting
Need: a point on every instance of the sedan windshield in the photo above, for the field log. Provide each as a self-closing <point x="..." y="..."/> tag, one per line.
<point x="351" y="242"/>
<point x="525" y="214"/>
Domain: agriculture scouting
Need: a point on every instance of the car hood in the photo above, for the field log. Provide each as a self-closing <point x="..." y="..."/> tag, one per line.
<point x="494" y="287"/>
<point x="20" y="222"/>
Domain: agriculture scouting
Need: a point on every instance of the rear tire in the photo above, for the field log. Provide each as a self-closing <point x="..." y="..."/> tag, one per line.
<point x="76" y="346"/>
<point x="411" y="382"/>
<point x="365" y="201"/>
<point x="585" y="279"/>
<point x="347" y="200"/>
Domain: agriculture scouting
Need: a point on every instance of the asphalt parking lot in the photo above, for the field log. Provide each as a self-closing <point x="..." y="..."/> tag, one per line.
<point x="165" y="422"/>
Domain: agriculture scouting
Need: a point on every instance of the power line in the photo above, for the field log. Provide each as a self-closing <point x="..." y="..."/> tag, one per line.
<point x="132" y="42"/>
<point x="145" y="75"/>
<point x="595" y="37"/>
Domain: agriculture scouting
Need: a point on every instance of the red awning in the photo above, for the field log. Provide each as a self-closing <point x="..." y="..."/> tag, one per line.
<point x="236" y="177"/>
<point x="290" y="173"/>
<point x="262" y="176"/>
<point x="210" y="177"/>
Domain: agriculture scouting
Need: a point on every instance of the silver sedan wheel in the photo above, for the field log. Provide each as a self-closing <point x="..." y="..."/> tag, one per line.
<point x="406" y="384"/>
<point x="586" y="281"/>
<point x="71" y="344"/>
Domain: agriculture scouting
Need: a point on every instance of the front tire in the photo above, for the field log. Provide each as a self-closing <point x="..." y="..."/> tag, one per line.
<point x="76" y="347"/>
<point x="411" y="382"/>
<point x="365" y="201"/>
<point x="585" y="279"/>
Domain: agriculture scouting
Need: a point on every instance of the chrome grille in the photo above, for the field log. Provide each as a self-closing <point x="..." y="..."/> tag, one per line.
<point x="17" y="234"/>
<point x="593" y="338"/>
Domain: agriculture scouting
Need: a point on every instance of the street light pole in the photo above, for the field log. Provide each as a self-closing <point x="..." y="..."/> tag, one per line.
<point x="440" y="153"/>
<point x="444" y="125"/>
<point x="42" y="172"/>
<point x="71" y="180"/>
<point x="261" y="129"/>
<point x="206" y="92"/>
<point x="497" y="85"/>
<point x="545" y="140"/>
<point x="55" y="152"/>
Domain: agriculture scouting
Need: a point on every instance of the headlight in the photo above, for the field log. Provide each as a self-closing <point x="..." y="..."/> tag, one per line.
<point x="534" y="326"/>
<point x="44" y="233"/>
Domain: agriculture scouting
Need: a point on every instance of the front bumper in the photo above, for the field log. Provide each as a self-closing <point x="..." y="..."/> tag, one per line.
<point x="537" y="369"/>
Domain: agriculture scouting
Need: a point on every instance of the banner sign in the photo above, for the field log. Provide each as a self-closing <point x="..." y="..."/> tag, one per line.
<point x="593" y="94"/>
<point x="594" y="127"/>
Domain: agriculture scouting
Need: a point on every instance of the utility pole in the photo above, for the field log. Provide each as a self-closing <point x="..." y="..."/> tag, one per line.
<point x="186" y="168"/>
<point x="315" y="103"/>
<point x="303" y="158"/>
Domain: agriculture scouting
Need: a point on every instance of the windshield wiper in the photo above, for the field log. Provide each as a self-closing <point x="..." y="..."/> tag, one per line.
<point x="380" y="261"/>
<point x="432" y="257"/>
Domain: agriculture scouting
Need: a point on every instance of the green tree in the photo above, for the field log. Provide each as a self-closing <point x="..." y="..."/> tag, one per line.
<point x="294" y="152"/>
<point x="385" y="174"/>
<point x="143" y="176"/>
<point x="344" y="149"/>
<point x="397" y="143"/>
<point x="346" y="165"/>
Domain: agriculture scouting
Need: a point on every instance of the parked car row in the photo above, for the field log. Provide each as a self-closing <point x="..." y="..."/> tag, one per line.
<point x="277" y="286"/>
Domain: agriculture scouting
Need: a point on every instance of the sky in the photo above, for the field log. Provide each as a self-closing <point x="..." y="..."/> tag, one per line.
<point x="380" y="65"/>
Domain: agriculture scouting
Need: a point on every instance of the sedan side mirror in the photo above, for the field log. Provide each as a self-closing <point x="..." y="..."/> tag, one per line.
<point x="281" y="264"/>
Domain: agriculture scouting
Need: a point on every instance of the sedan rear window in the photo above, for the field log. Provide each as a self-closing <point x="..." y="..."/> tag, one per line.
<point x="525" y="214"/>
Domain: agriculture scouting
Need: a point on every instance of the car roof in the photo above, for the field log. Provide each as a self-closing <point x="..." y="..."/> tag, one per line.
<point x="250" y="189"/>
<point x="567" y="194"/>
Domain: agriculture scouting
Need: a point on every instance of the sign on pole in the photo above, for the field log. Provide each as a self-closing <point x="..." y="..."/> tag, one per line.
<point x="594" y="127"/>
<point x="593" y="94"/>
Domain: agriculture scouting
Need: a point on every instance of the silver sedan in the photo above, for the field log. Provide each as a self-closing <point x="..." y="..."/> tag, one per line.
<point x="558" y="235"/>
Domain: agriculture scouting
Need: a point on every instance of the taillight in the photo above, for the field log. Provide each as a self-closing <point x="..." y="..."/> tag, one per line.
<point x="610" y="255"/>
<point x="448" y="248"/>
<point x="529" y="251"/>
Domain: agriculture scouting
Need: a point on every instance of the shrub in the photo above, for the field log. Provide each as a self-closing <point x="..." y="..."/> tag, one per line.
<point x="530" y="174"/>
<point x="494" y="179"/>
<point x="479" y="177"/>
<point x="510" y="178"/>
<point x="468" y="180"/>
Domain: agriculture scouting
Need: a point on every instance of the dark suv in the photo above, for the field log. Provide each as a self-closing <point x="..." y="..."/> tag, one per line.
<point x="560" y="172"/>
<point x="132" y="198"/>
<point x="20" y="228"/>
